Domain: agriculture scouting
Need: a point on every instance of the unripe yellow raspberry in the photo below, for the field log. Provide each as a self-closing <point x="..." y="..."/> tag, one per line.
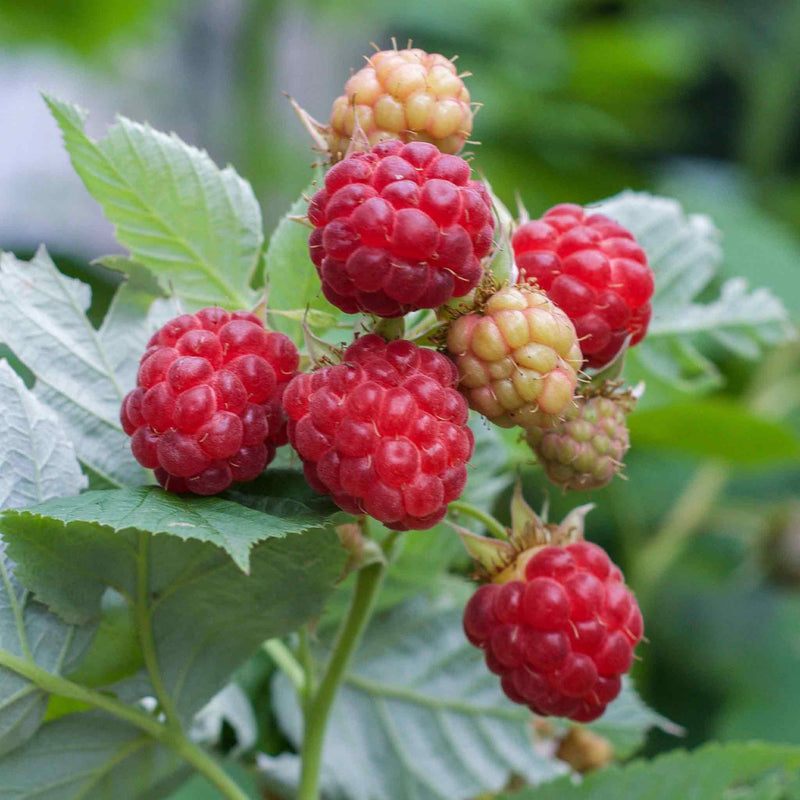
<point x="409" y="95"/>
<point x="518" y="358"/>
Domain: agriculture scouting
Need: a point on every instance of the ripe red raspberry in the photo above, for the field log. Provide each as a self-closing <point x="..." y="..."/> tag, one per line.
<point x="384" y="432"/>
<point x="517" y="358"/>
<point x="400" y="228"/>
<point x="408" y="95"/>
<point x="206" y="410"/>
<point x="592" y="268"/>
<point x="562" y="636"/>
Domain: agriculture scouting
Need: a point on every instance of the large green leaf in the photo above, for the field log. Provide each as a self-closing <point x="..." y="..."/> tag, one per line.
<point x="292" y="280"/>
<point x="82" y="374"/>
<point x="198" y="228"/>
<point x="684" y="252"/>
<point x="715" y="429"/>
<point x="198" y="615"/>
<point x="710" y="773"/>
<point x="90" y="756"/>
<point x="419" y="715"/>
<point x="37" y="462"/>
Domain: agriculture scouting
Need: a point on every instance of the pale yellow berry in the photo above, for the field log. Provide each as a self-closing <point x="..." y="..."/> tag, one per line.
<point x="443" y="83"/>
<point x="537" y="357"/>
<point x="487" y="341"/>
<point x="507" y="299"/>
<point x="447" y="119"/>
<point x="390" y="114"/>
<point x="419" y="108"/>
<point x="557" y="392"/>
<point x="473" y="372"/>
<point x="504" y="368"/>
<point x="405" y="80"/>
<point x="364" y="87"/>
<point x="528" y="384"/>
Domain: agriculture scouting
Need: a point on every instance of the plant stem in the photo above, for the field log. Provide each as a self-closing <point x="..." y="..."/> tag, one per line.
<point x="492" y="525"/>
<point x="284" y="659"/>
<point x="168" y="736"/>
<point x="368" y="582"/>
<point x="307" y="662"/>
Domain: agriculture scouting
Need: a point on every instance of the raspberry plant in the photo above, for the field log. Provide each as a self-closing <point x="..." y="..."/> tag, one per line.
<point x="285" y="613"/>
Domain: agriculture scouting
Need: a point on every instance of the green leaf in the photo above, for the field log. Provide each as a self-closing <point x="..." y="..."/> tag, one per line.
<point x="198" y="615"/>
<point x="76" y="367"/>
<point x="292" y="280"/>
<point x="199" y="789"/>
<point x="90" y="756"/>
<point x="198" y="228"/>
<point x="685" y="253"/>
<point x="419" y="715"/>
<point x="715" y="429"/>
<point x="708" y="773"/>
<point x="37" y="462"/>
<point x="228" y="525"/>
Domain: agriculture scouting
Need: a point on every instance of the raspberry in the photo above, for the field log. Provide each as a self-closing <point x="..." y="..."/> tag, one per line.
<point x="562" y="637"/>
<point x="206" y="410"/>
<point x="408" y="95"/>
<point x="399" y="228"/>
<point x="517" y="358"/>
<point x="584" y="451"/>
<point x="592" y="268"/>
<point x="384" y="432"/>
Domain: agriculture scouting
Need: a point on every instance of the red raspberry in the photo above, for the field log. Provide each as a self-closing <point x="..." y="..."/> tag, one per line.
<point x="384" y="432"/>
<point x="594" y="269"/>
<point x="561" y="638"/>
<point x="400" y="228"/>
<point x="206" y="410"/>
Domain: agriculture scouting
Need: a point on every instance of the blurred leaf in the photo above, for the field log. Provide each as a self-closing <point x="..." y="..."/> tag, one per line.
<point x="684" y="254"/>
<point x="44" y="322"/>
<point x="91" y="755"/>
<point x="197" y="788"/>
<point x="716" y="429"/>
<point x="292" y="280"/>
<point x="419" y="715"/>
<point x="198" y="228"/>
<point x="708" y="773"/>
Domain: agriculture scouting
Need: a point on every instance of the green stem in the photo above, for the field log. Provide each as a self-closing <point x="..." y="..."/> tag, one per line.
<point x="168" y="736"/>
<point x="492" y="525"/>
<point x="307" y="662"/>
<point x="368" y="582"/>
<point x="285" y="660"/>
<point x="146" y="632"/>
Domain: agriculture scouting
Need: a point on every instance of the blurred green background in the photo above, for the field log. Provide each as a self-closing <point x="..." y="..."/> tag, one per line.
<point x="696" y="99"/>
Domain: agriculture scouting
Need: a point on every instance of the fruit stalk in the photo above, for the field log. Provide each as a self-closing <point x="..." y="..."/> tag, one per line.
<point x="368" y="583"/>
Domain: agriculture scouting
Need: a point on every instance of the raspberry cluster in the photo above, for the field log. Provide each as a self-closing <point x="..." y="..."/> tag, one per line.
<point x="585" y="450"/>
<point x="517" y="358"/>
<point x="408" y="95"/>
<point x="561" y="638"/>
<point x="399" y="228"/>
<point x="592" y="268"/>
<point x="206" y="410"/>
<point x="384" y="432"/>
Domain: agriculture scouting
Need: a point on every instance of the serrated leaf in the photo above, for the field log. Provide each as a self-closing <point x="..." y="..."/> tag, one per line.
<point x="196" y="227"/>
<point x="201" y="613"/>
<point x="706" y="773"/>
<point x="292" y="280"/>
<point x="419" y="715"/>
<point x="230" y="526"/>
<point x="684" y="252"/>
<point x="90" y="756"/>
<point x="37" y="462"/>
<point x="715" y="429"/>
<point x="44" y="322"/>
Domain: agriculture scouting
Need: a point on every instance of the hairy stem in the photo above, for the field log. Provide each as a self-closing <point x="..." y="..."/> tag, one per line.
<point x="368" y="583"/>
<point x="168" y="736"/>
<point x="492" y="525"/>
